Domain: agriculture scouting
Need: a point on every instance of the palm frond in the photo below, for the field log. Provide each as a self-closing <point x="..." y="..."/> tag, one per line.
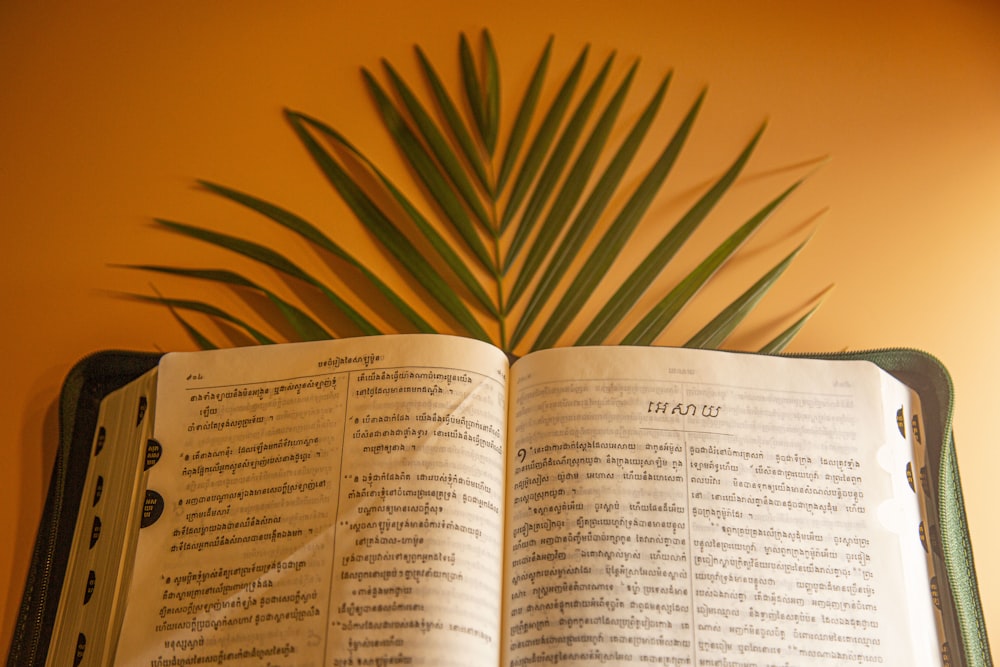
<point x="614" y="239"/>
<point x="781" y="341"/>
<point x="311" y="233"/>
<point x="207" y="309"/>
<point x="489" y="219"/>
<point x="543" y="139"/>
<point x="714" y="334"/>
<point x="588" y="215"/>
<point x="304" y="325"/>
<point x="657" y="319"/>
<point x="556" y="165"/>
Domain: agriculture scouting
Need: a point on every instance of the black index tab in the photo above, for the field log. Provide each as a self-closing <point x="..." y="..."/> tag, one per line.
<point x="91" y="585"/>
<point x="141" y="411"/>
<point x="154" y="450"/>
<point x="95" y="531"/>
<point x="152" y="508"/>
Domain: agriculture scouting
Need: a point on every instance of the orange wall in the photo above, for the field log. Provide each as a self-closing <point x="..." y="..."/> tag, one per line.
<point x="112" y="109"/>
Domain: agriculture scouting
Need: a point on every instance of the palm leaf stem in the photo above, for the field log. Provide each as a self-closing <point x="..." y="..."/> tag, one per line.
<point x="501" y="302"/>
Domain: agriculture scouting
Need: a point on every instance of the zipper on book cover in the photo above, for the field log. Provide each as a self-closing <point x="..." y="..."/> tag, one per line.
<point x="58" y="482"/>
<point x="45" y="576"/>
<point x="43" y="583"/>
<point x="59" y="479"/>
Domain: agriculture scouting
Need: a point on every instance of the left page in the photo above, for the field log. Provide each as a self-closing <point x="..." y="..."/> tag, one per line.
<point x="330" y="503"/>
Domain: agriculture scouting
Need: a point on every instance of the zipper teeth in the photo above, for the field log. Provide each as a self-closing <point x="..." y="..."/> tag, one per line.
<point x="46" y="572"/>
<point x="44" y="582"/>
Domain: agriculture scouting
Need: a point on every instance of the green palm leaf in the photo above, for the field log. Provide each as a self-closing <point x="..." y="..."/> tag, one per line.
<point x="543" y="139"/>
<point x="474" y="92"/>
<point x="713" y="334"/>
<point x="781" y="341"/>
<point x="614" y="239"/>
<point x="203" y="341"/>
<point x="491" y="89"/>
<point x="304" y="325"/>
<point x="630" y="291"/>
<point x="395" y="239"/>
<point x="313" y="234"/>
<point x="660" y="316"/>
<point x="584" y="223"/>
<point x="470" y="150"/>
<point x="557" y="162"/>
<point x="276" y="261"/>
<point x="431" y="174"/>
<point x="440" y="148"/>
<point x="519" y="131"/>
<point x="511" y="206"/>
<point x="391" y="237"/>
<point x="206" y="309"/>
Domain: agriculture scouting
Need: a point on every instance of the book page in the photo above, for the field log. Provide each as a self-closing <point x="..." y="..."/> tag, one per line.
<point x="328" y="503"/>
<point x="684" y="507"/>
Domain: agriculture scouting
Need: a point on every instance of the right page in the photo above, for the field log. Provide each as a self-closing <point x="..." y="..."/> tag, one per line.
<point x="686" y="507"/>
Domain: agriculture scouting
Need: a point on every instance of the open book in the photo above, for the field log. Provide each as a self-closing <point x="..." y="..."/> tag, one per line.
<point x="408" y="500"/>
